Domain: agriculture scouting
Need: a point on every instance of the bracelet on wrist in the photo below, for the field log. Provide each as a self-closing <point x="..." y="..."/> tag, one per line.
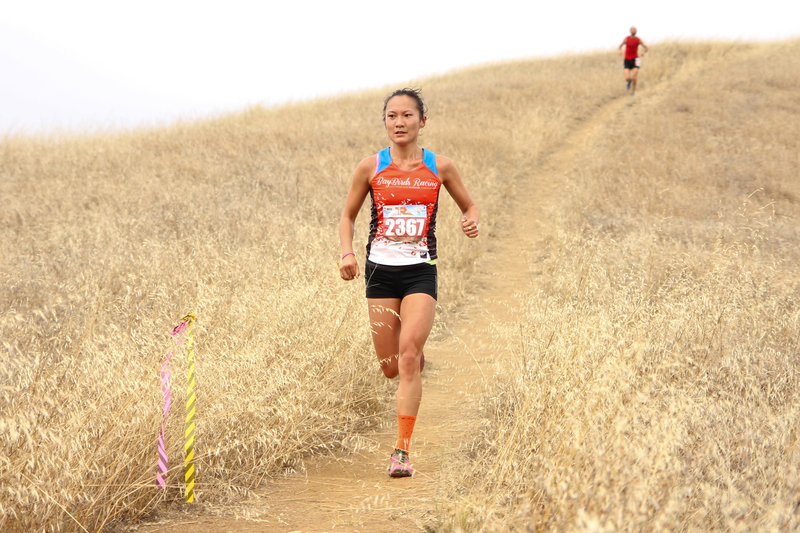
<point x="349" y="253"/>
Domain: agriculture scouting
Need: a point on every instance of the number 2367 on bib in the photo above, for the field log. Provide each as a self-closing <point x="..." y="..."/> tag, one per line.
<point x="404" y="222"/>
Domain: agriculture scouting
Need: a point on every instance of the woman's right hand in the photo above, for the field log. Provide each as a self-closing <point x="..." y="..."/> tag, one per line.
<point x="348" y="268"/>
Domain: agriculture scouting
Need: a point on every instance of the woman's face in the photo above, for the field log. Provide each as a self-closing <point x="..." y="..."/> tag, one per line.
<point x="403" y="120"/>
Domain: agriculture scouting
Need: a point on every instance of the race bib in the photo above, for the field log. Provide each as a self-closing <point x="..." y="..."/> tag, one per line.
<point x="638" y="61"/>
<point x="404" y="222"/>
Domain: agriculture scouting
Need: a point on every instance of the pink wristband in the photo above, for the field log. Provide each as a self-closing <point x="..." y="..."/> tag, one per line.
<point x="348" y="253"/>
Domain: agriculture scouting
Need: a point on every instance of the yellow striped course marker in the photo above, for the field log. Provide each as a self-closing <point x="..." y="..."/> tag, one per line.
<point x="188" y="443"/>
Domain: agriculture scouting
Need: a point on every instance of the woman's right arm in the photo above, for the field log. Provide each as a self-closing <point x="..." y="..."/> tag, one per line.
<point x="348" y="266"/>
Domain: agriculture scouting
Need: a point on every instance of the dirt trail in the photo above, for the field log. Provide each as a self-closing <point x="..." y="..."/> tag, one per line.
<point x="354" y="493"/>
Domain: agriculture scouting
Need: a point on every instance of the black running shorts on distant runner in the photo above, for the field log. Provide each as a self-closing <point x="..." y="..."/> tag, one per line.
<point x="631" y="63"/>
<point x="385" y="281"/>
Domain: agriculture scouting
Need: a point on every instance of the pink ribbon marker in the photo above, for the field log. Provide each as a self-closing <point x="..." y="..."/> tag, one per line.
<point x="161" y="475"/>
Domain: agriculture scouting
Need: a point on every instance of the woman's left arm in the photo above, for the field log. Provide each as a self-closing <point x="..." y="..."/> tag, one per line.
<point x="452" y="181"/>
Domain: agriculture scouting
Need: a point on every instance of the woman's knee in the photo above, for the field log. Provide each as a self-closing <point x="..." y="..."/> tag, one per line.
<point x="389" y="366"/>
<point x="408" y="363"/>
<point x="390" y="373"/>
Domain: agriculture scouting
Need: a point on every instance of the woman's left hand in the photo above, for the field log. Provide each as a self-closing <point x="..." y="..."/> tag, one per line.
<point x="469" y="227"/>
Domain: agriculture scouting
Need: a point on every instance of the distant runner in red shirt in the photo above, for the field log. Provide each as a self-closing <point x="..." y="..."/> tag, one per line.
<point x="632" y="60"/>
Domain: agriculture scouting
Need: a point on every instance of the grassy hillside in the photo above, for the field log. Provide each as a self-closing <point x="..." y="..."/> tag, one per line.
<point x="654" y="385"/>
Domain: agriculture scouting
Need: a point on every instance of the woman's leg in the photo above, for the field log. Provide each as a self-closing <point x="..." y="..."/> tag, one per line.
<point x="384" y="320"/>
<point x="417" y="311"/>
<point x="399" y="331"/>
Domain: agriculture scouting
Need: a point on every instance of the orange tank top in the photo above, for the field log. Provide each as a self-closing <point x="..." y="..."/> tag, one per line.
<point x="402" y="229"/>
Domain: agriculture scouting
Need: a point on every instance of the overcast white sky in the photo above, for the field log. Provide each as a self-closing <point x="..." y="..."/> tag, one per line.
<point x="87" y="64"/>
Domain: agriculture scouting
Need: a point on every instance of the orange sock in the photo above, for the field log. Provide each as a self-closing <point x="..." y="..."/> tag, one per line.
<point x="405" y="426"/>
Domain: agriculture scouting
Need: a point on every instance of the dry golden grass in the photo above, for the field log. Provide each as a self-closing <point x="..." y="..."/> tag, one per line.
<point x="654" y="384"/>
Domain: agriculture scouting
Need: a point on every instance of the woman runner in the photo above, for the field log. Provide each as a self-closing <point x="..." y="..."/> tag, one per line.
<point x="403" y="181"/>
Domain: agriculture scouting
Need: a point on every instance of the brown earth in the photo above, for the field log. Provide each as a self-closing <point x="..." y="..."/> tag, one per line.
<point x="354" y="493"/>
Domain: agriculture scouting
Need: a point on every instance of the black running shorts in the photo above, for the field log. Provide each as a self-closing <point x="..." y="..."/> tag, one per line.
<point x="631" y="63"/>
<point x="385" y="281"/>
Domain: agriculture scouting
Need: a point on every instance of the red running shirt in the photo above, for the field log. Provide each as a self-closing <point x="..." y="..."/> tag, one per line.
<point x="402" y="230"/>
<point x="632" y="47"/>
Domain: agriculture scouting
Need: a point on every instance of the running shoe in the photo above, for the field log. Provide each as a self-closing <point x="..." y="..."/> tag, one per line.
<point x="400" y="466"/>
<point x="629" y="85"/>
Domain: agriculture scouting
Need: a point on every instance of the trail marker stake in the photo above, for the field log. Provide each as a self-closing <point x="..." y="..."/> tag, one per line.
<point x="188" y="443"/>
<point x="185" y="327"/>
